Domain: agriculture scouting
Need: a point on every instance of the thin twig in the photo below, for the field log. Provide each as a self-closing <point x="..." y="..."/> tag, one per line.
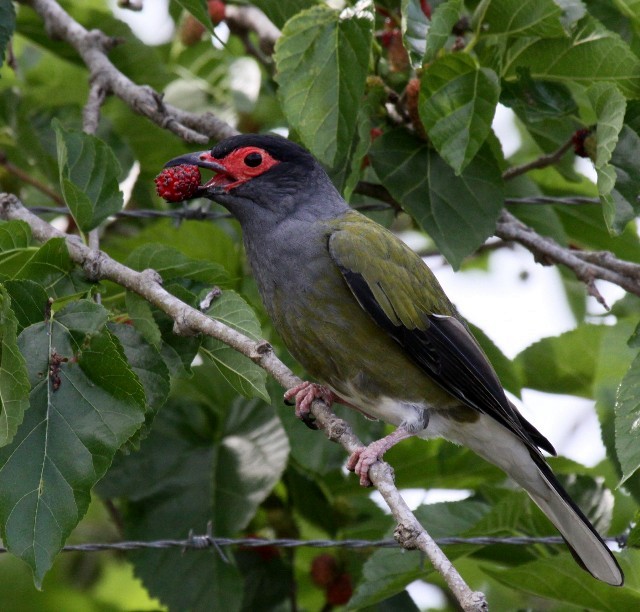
<point x="27" y="178"/>
<point x="541" y="162"/>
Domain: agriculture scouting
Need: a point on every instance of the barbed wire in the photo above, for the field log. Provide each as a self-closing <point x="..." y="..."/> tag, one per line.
<point x="202" y="214"/>
<point x="207" y="540"/>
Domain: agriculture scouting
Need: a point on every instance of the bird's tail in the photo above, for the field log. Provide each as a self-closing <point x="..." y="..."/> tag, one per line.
<point x="586" y="545"/>
<point x="527" y="467"/>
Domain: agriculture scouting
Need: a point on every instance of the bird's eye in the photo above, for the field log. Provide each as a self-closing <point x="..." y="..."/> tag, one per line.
<point x="253" y="160"/>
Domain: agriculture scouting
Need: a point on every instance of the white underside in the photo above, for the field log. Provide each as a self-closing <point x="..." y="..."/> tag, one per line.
<point x="496" y="444"/>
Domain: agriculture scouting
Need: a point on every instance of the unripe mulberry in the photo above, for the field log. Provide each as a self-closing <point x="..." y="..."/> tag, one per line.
<point x="178" y="182"/>
<point x="324" y="570"/>
<point x="217" y="11"/>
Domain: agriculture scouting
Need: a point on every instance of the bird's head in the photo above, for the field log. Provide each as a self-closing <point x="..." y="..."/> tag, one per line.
<point x="259" y="172"/>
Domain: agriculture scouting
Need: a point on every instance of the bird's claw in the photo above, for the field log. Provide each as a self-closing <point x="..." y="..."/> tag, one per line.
<point x="360" y="461"/>
<point x="302" y="396"/>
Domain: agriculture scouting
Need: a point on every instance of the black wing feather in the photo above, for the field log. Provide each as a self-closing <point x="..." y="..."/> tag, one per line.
<point x="449" y="354"/>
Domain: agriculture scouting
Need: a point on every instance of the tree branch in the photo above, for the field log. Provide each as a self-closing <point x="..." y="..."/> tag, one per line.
<point x="245" y="19"/>
<point x="99" y="266"/>
<point x="587" y="266"/>
<point x="541" y="162"/>
<point x="93" y="46"/>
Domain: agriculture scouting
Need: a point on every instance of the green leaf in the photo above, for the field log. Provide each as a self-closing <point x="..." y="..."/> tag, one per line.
<point x="147" y="364"/>
<point x="519" y="18"/>
<point x="196" y="240"/>
<point x="198" y="8"/>
<point x="415" y="30"/>
<point x="389" y="571"/>
<point x="141" y="314"/>
<point x="458" y="100"/>
<point x="622" y="204"/>
<point x="241" y="373"/>
<point x="171" y="264"/>
<point x="168" y="483"/>
<point x="593" y="54"/>
<point x="458" y="212"/>
<point x="51" y="267"/>
<point x="322" y="59"/>
<point x="251" y="458"/>
<point x="444" y="17"/>
<point x="627" y="421"/>
<point x="29" y="301"/>
<point x="85" y="403"/>
<point x="209" y="457"/>
<point x="534" y="101"/>
<point x="229" y="308"/>
<point x="14" y="382"/>
<point x="88" y="177"/>
<point x="563" y="364"/>
<point x="7" y="26"/>
<point x="560" y="579"/>
<point x="609" y="106"/>
<point x="280" y="12"/>
<point x="14" y="234"/>
<point x="629" y="8"/>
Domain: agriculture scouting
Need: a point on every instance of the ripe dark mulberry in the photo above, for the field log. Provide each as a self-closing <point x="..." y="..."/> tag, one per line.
<point x="178" y="182"/>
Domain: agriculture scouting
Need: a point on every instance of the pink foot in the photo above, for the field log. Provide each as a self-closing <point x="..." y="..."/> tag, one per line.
<point x="360" y="462"/>
<point x="364" y="457"/>
<point x="304" y="394"/>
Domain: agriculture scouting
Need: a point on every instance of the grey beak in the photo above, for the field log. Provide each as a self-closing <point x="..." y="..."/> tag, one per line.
<point x="203" y="159"/>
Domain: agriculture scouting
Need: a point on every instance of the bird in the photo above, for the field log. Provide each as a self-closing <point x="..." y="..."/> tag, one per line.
<point x="369" y="322"/>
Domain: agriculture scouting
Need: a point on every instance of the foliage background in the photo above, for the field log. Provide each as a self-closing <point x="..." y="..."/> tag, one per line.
<point x="210" y="439"/>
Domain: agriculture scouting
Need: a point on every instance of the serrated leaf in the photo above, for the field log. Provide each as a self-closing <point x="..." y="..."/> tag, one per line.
<point x="415" y="30"/>
<point x="389" y="571"/>
<point x="89" y="174"/>
<point x="519" y="18"/>
<point x="14" y="234"/>
<point x="240" y="372"/>
<point x="445" y="16"/>
<point x="458" y="100"/>
<point x="563" y="364"/>
<point x="229" y="308"/>
<point x="243" y="375"/>
<point x="84" y="406"/>
<point x="7" y="26"/>
<point x="14" y="382"/>
<point x="251" y="458"/>
<point x="29" y="301"/>
<point x="147" y="364"/>
<point x="458" y="212"/>
<point x="622" y="204"/>
<point x="211" y="459"/>
<point x="627" y="421"/>
<point x="609" y="107"/>
<point x="51" y="267"/>
<point x="171" y="264"/>
<point x="560" y="579"/>
<point x="280" y="12"/>
<point x="534" y="101"/>
<point x="141" y="314"/>
<point x="592" y="54"/>
<point x="322" y="59"/>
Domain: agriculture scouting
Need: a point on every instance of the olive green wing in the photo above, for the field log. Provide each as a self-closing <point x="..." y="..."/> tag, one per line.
<point x="394" y="286"/>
